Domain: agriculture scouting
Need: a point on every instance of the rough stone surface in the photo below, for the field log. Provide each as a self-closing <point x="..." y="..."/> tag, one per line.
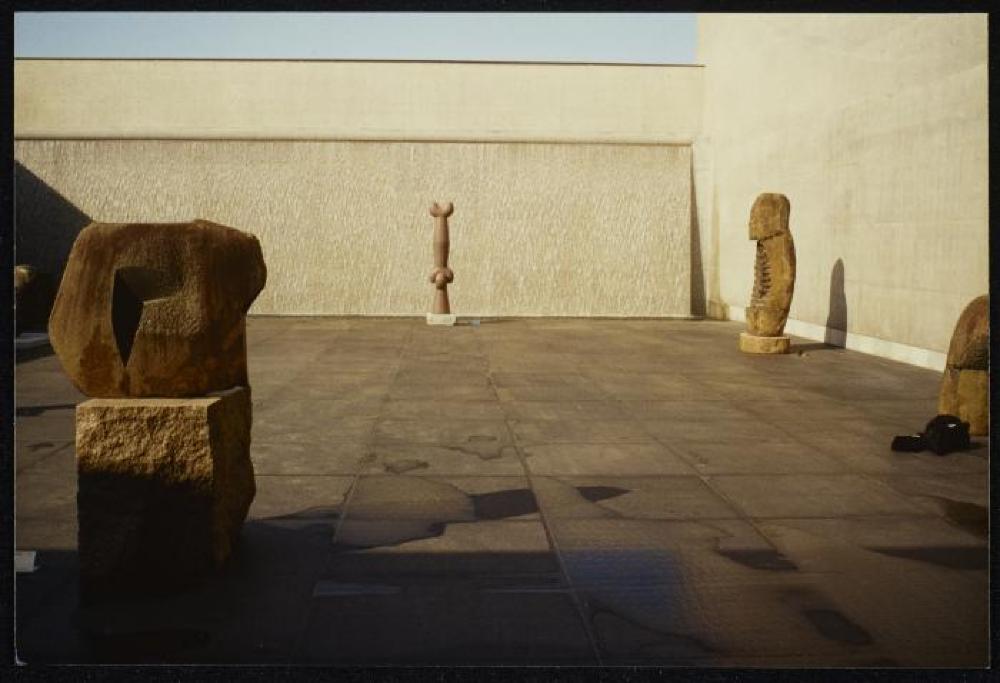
<point x="965" y="384"/>
<point x="774" y="267"/>
<point x="750" y="343"/>
<point x="156" y="309"/>
<point x="164" y="484"/>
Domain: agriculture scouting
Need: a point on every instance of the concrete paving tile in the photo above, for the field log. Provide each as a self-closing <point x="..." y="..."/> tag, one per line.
<point x="441" y="499"/>
<point x="552" y="393"/>
<point x="875" y="428"/>
<point x="742" y="456"/>
<point x="330" y="386"/>
<point x="307" y="422"/>
<point x="478" y="459"/>
<point x="438" y="409"/>
<point x="733" y="431"/>
<point x="962" y="499"/>
<point x="562" y="410"/>
<point x="304" y="498"/>
<point x="51" y="425"/>
<point x="603" y="459"/>
<point x="321" y="408"/>
<point x="811" y="495"/>
<point x="407" y="550"/>
<point x="648" y="386"/>
<point x="920" y="592"/>
<point x="56" y="531"/>
<point x="532" y="432"/>
<point x="287" y="458"/>
<point x="692" y="409"/>
<point x="428" y="625"/>
<point x="488" y="435"/>
<point x="704" y="623"/>
<point x="451" y="392"/>
<point x="860" y="454"/>
<point x="625" y="553"/>
<point x="507" y="380"/>
<point x="30" y="453"/>
<point x="679" y="498"/>
<point x="47" y="490"/>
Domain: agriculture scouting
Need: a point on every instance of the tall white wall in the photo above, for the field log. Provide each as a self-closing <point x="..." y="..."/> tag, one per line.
<point x="571" y="183"/>
<point x="876" y="128"/>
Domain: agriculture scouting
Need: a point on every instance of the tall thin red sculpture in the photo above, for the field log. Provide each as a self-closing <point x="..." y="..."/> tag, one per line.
<point x="442" y="274"/>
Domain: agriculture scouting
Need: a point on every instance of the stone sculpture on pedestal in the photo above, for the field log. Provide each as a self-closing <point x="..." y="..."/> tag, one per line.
<point x="774" y="276"/>
<point x="150" y="321"/>
<point x="965" y="386"/>
<point x="441" y="275"/>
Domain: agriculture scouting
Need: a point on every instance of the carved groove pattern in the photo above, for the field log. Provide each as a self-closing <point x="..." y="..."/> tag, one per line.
<point x="761" y="273"/>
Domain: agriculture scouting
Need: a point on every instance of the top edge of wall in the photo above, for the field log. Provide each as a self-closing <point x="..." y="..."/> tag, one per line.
<point x="356" y="61"/>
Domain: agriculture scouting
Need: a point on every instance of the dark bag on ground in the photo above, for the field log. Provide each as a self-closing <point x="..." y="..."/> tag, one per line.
<point x="942" y="435"/>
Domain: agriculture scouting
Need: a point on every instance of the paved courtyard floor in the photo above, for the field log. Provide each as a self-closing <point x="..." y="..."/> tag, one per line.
<point x="546" y="492"/>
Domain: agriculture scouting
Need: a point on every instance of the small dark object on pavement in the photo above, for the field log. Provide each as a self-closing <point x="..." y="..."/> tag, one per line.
<point x="909" y="443"/>
<point x="942" y="435"/>
<point x="946" y="433"/>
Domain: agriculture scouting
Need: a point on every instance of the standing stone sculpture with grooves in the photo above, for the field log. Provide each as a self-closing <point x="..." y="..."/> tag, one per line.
<point x="441" y="275"/>
<point x="774" y="276"/>
<point x="965" y="386"/>
<point x="150" y="321"/>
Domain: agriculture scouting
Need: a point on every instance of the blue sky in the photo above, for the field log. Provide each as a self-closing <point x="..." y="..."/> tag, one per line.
<point x="580" y="37"/>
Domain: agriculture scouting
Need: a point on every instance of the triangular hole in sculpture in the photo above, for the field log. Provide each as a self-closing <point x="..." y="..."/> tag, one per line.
<point x="133" y="287"/>
<point x="126" y="310"/>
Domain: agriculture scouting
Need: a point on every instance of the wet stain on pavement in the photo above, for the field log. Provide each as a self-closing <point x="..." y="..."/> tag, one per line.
<point x="406" y="465"/>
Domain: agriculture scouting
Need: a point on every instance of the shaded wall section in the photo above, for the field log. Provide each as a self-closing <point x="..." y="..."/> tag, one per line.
<point x="875" y="127"/>
<point x="538" y="229"/>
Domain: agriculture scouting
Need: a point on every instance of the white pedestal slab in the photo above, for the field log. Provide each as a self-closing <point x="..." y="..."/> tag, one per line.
<point x="441" y="318"/>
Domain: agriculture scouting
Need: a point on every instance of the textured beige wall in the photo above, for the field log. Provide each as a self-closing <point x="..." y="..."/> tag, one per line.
<point x="875" y="126"/>
<point x="356" y="100"/>
<point x="538" y="229"/>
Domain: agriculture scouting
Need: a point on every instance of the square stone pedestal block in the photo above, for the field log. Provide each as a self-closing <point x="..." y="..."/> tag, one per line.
<point x="164" y="486"/>
<point x="750" y="343"/>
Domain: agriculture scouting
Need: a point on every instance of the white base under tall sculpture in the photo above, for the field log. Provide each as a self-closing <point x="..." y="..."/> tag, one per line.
<point x="441" y="318"/>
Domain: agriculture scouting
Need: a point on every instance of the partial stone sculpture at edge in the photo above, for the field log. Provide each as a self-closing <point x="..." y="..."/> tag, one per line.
<point x="965" y="386"/>
<point x="151" y="320"/>
<point x="774" y="276"/>
<point x="156" y="309"/>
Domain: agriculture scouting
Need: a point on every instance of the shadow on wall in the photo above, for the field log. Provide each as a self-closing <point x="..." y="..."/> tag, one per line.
<point x="836" y="319"/>
<point x="46" y="224"/>
<point x="697" y="269"/>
